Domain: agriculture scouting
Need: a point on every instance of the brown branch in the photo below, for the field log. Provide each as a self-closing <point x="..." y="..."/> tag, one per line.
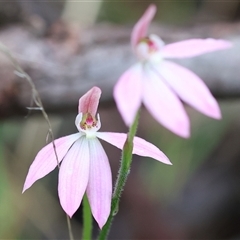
<point x="71" y="60"/>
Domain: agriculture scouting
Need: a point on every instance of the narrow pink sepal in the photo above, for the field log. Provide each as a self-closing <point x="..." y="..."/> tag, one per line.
<point x="140" y="146"/>
<point x="128" y="93"/>
<point x="193" y="47"/>
<point x="140" y="29"/>
<point x="146" y="149"/>
<point x="164" y="105"/>
<point x="190" y="88"/>
<point x="45" y="161"/>
<point x="99" y="188"/>
<point x="73" y="176"/>
<point x="88" y="103"/>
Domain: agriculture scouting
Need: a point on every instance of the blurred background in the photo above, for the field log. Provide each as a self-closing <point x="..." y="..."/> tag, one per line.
<point x="196" y="198"/>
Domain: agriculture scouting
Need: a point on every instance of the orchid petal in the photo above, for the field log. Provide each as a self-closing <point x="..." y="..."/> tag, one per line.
<point x="141" y="27"/>
<point x="190" y="88"/>
<point x="73" y="176"/>
<point x="46" y="161"/>
<point x="140" y="146"/>
<point x="88" y="103"/>
<point x="146" y="149"/>
<point x="164" y="105"/>
<point x="115" y="139"/>
<point x="193" y="47"/>
<point x="99" y="189"/>
<point x="127" y="93"/>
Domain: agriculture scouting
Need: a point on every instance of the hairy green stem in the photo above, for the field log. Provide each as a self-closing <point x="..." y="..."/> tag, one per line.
<point x="124" y="170"/>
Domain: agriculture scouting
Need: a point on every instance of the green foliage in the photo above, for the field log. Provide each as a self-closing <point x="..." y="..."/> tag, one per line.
<point x="173" y="12"/>
<point x="8" y="216"/>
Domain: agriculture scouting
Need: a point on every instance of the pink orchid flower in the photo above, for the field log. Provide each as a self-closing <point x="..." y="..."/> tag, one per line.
<point x="159" y="83"/>
<point x="85" y="166"/>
